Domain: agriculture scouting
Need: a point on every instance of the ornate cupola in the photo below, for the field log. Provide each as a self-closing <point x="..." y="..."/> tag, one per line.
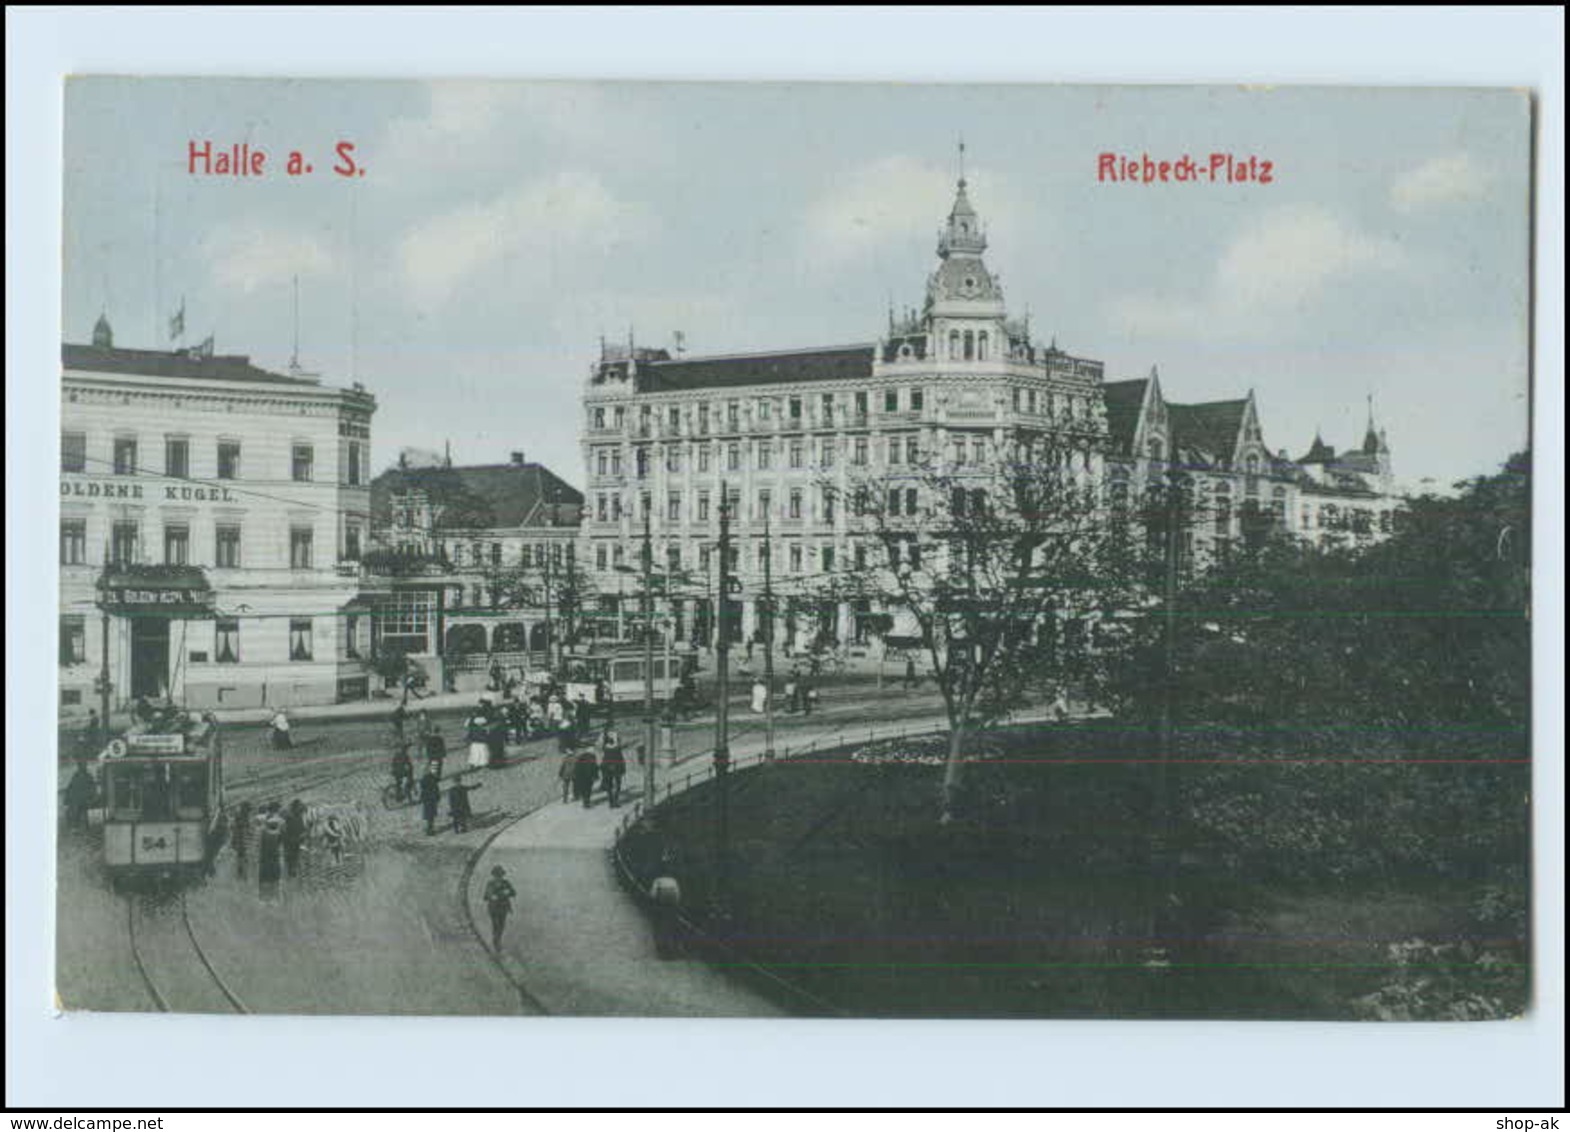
<point x="103" y="333"/>
<point x="964" y="309"/>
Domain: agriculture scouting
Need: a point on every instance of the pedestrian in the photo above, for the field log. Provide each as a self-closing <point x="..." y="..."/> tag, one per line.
<point x="92" y="735"/>
<point x="790" y="694"/>
<point x="760" y="697"/>
<point x="583" y="713"/>
<point x="435" y="750"/>
<point x="665" y="893"/>
<point x="458" y="806"/>
<point x="811" y="698"/>
<point x="613" y="768"/>
<point x="569" y="764"/>
<point x="910" y="672"/>
<point x="399" y="715"/>
<point x="79" y="794"/>
<point x="293" y="836"/>
<point x="496" y="740"/>
<point x="334" y="836"/>
<point x="240" y="838"/>
<point x="583" y="776"/>
<point x="430" y="800"/>
<point x="422" y="724"/>
<point x="402" y="773"/>
<point x="499" y="895"/>
<point x="267" y="867"/>
<point x="479" y="726"/>
<point x="282" y="741"/>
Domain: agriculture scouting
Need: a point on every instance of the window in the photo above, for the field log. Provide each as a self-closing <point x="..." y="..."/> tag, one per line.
<point x="827" y="451"/>
<point x="703" y="457"/>
<point x="859" y="452"/>
<point x="911" y="449"/>
<point x="765" y="455"/>
<point x="894" y="449"/>
<point x="959" y="452"/>
<point x="123" y="540"/>
<point x="795" y="558"/>
<point x="674" y="417"/>
<point x="891" y="401"/>
<point x="763" y="409"/>
<point x="970" y="345"/>
<point x="827" y="509"/>
<point x="733" y="415"/>
<point x="762" y="555"/>
<point x="733" y="457"/>
<point x="828" y="559"/>
<point x="618" y="556"/>
<point x="1018" y="398"/>
<point x="861" y="556"/>
<point x="861" y="404"/>
<point x="703" y="507"/>
<point x="954" y="343"/>
<point x="351" y="543"/>
<point x="227" y="546"/>
<point x="177" y="544"/>
<point x="645" y="505"/>
<point x="124" y="456"/>
<point x="351" y="637"/>
<point x="616" y="508"/>
<point x="303" y="456"/>
<point x="1032" y="401"/>
<point x="73" y="542"/>
<point x="917" y="400"/>
<point x="827" y="404"/>
<point x="599" y="557"/>
<point x="795" y="503"/>
<point x="795" y="454"/>
<point x="981" y="346"/>
<point x="703" y="419"/>
<point x="602" y="462"/>
<point x="73" y="639"/>
<point x="619" y="417"/>
<point x="673" y="458"/>
<point x="73" y="451"/>
<point x="910" y="501"/>
<point x="226" y="642"/>
<point x="299" y="638"/>
<point x="978" y="451"/>
<point x="599" y="416"/>
<point x="641" y="459"/>
<point x="765" y="500"/>
<point x="673" y="507"/>
<point x="795" y="408"/>
<point x="496" y="550"/>
<point x="894" y="498"/>
<point x="355" y="456"/>
<point x="703" y="558"/>
<point x="616" y="462"/>
<point x="957" y="503"/>
<point x="300" y="548"/>
<point x="602" y="510"/>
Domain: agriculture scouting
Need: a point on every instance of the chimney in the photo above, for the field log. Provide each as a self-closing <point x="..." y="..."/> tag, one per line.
<point x="517" y="458"/>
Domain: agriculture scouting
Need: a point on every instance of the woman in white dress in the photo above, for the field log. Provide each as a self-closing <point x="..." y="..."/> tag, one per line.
<point x="760" y="696"/>
<point x="479" y="752"/>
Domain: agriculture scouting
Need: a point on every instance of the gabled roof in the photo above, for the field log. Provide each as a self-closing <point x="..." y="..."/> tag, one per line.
<point x="484" y="496"/>
<point x="729" y="371"/>
<point x="164" y="363"/>
<point x="1208" y="431"/>
<point x="1124" y="399"/>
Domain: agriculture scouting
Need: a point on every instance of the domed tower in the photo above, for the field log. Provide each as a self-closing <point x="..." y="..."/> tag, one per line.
<point x="964" y="308"/>
<point x="103" y="333"/>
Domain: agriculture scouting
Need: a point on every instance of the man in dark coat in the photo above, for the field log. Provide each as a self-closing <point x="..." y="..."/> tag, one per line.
<point x="430" y="800"/>
<point x="403" y="773"/>
<point x="613" y="767"/>
<point x="240" y="838"/>
<point x="458" y="804"/>
<point x="435" y="750"/>
<point x="583" y="776"/>
<point x="293" y="836"/>
<point x="267" y="870"/>
<point x="499" y="895"/>
<point x="79" y="793"/>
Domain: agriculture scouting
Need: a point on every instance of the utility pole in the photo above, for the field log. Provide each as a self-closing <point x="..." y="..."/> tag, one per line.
<point x="768" y="638"/>
<point x="1160" y="920"/>
<point x="648" y="663"/>
<point x="722" y="708"/>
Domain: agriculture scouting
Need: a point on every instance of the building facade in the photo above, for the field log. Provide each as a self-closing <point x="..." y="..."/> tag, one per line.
<point x="950" y="383"/>
<point x="473" y="565"/>
<point x="784" y="433"/>
<point x="210" y="473"/>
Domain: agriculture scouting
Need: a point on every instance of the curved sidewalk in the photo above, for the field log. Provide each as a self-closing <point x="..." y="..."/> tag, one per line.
<point x="579" y="943"/>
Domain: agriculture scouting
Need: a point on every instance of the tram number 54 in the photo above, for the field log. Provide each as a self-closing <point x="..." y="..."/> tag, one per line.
<point x="159" y="842"/>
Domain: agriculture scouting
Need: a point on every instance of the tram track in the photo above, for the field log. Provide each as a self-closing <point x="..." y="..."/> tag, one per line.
<point x="167" y="955"/>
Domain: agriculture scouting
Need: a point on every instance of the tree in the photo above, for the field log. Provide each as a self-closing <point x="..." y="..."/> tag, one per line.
<point x="996" y="562"/>
<point x="547" y="582"/>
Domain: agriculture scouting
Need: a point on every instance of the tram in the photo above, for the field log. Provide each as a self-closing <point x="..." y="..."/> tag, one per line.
<point x="162" y="790"/>
<point x="620" y="674"/>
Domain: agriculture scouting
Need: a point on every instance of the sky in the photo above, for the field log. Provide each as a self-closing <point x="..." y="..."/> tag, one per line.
<point x="500" y="229"/>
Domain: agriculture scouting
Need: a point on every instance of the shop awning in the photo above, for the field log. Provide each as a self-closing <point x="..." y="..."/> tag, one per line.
<point x="156" y="591"/>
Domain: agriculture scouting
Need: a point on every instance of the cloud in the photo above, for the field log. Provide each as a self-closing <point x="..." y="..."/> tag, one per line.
<point x="553" y="218"/>
<point x="1440" y="180"/>
<point x="882" y="202"/>
<point x="248" y="256"/>
<point x="1271" y="272"/>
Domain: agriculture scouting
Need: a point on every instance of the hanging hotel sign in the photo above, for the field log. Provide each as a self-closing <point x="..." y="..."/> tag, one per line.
<point x="86" y="487"/>
<point x="164" y="591"/>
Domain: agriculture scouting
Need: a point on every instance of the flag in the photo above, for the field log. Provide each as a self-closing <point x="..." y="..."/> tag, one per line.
<point x="204" y="349"/>
<point x="177" y="323"/>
